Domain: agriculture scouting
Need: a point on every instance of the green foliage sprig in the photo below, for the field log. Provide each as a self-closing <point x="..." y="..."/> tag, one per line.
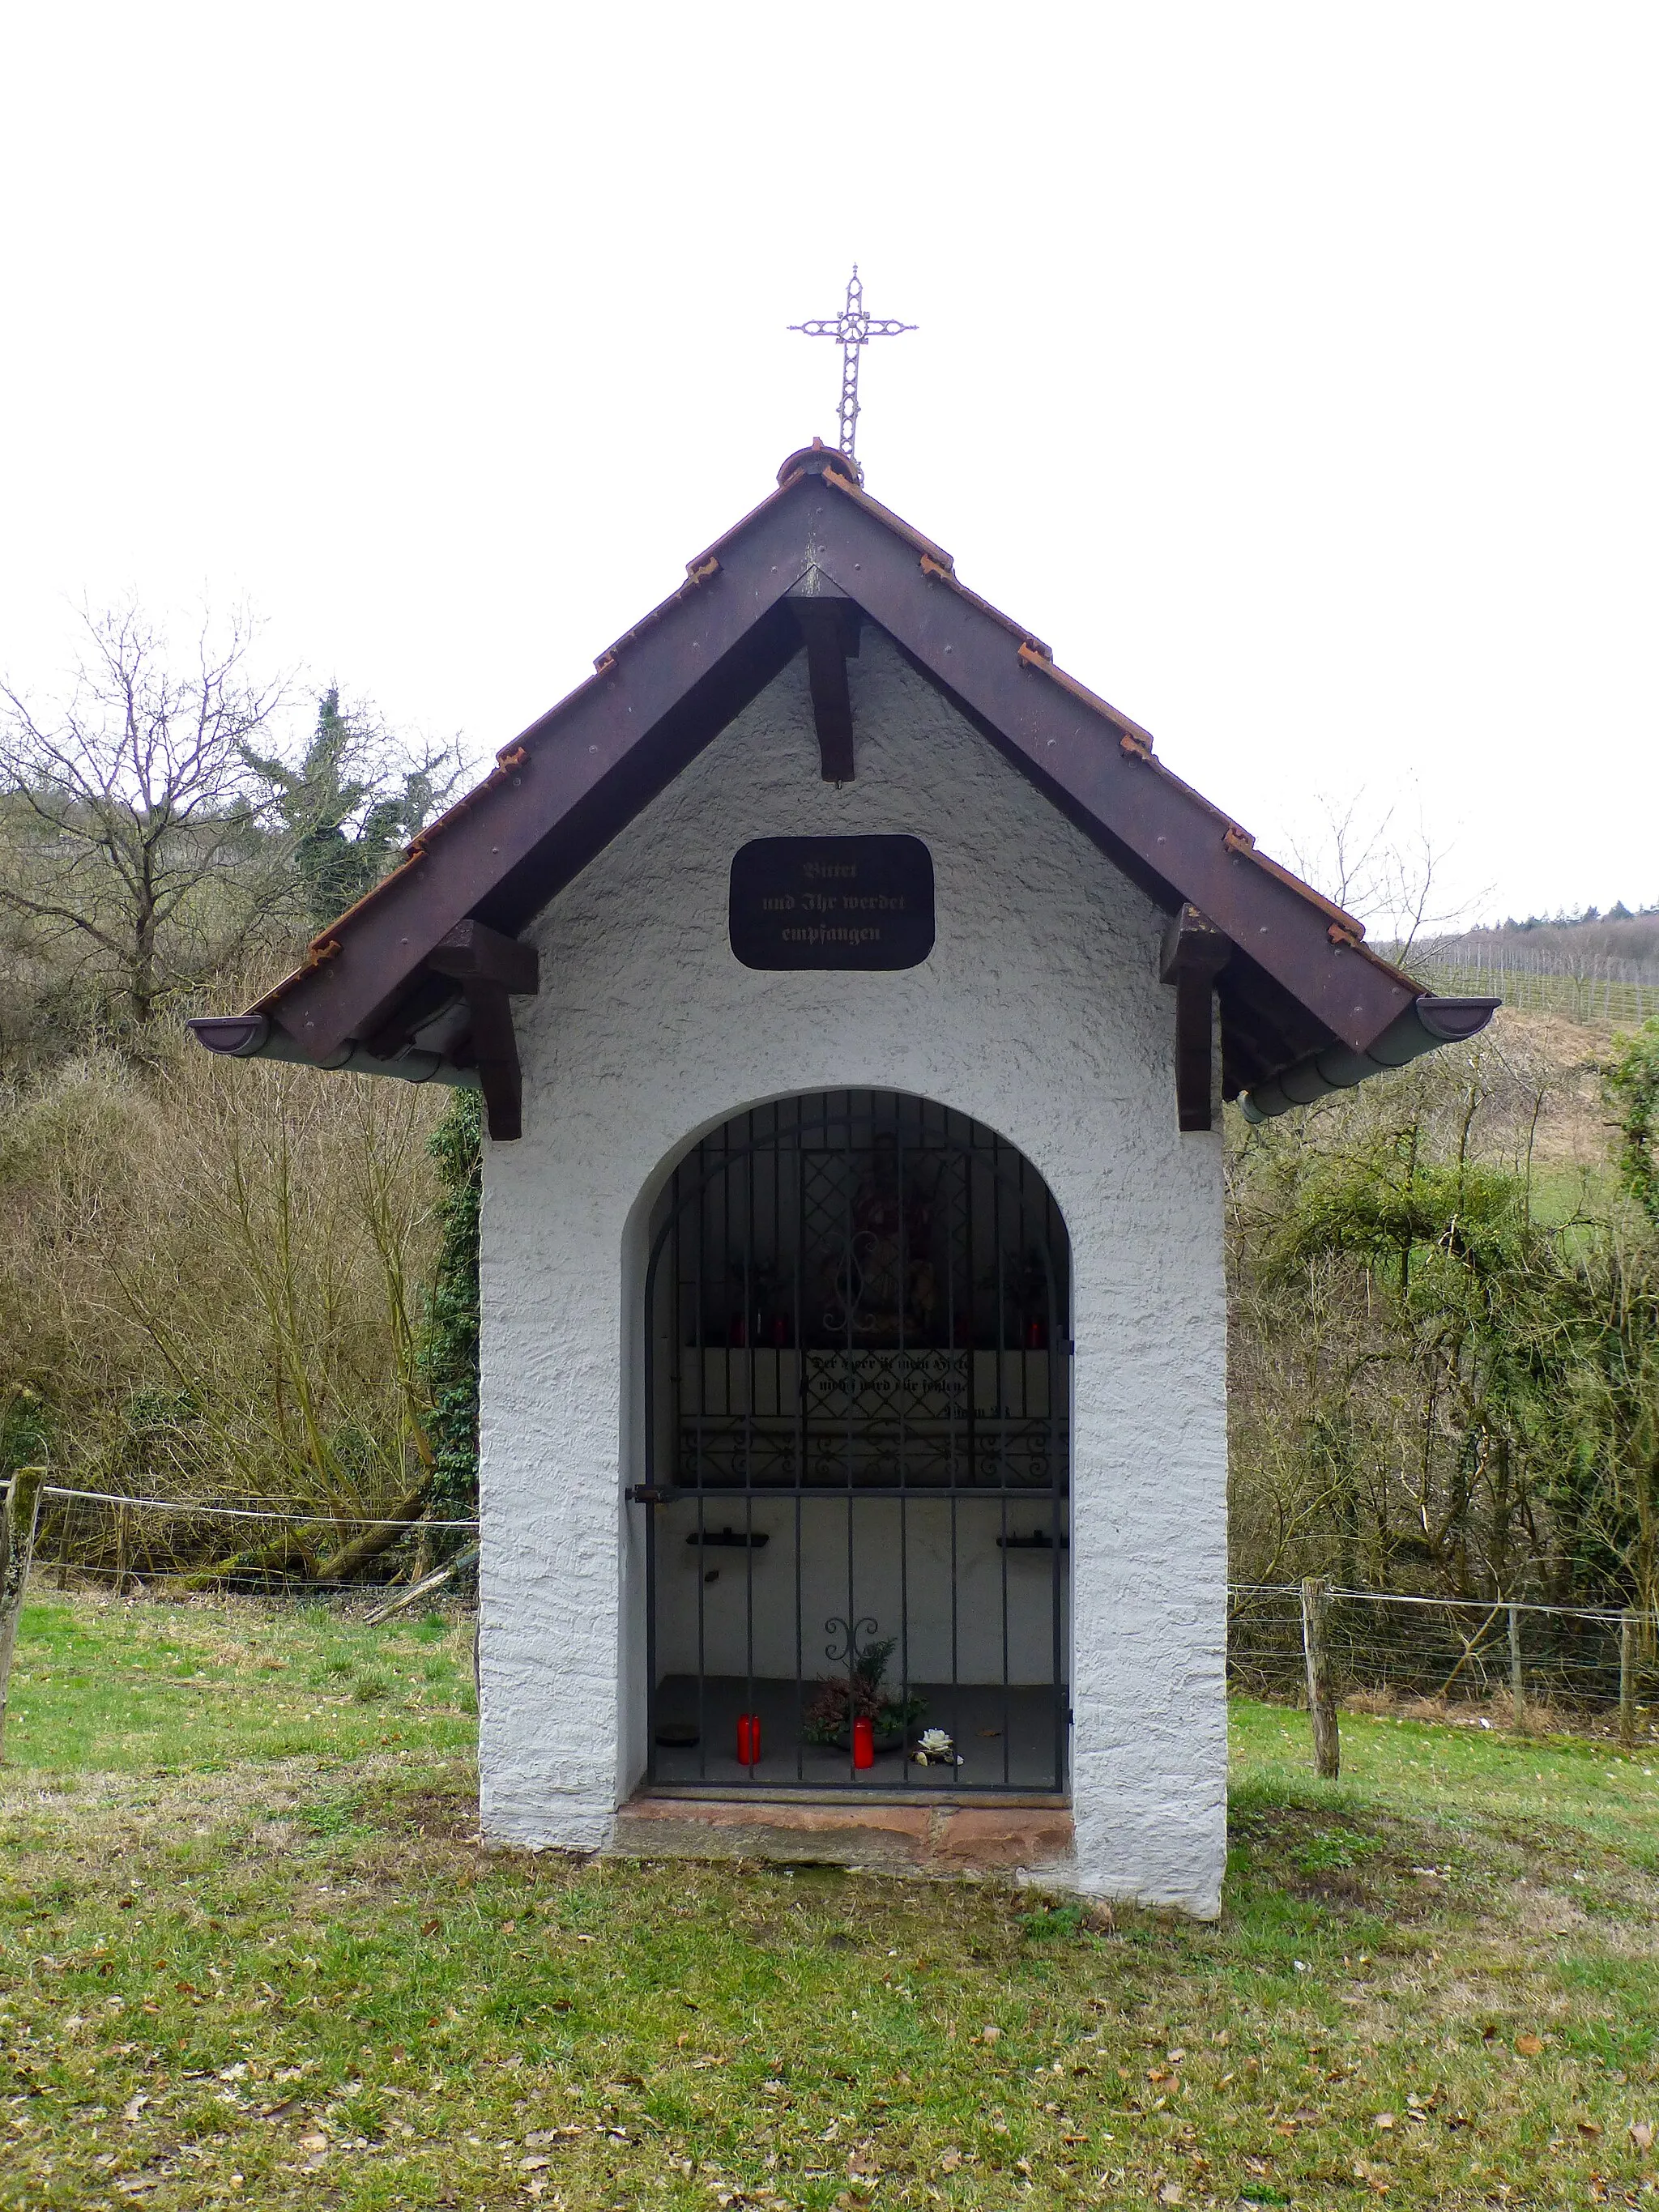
<point x="862" y="1693"/>
<point x="1631" y="1079"/>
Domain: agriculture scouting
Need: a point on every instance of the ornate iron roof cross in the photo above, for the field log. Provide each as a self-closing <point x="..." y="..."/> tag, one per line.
<point x="852" y="329"/>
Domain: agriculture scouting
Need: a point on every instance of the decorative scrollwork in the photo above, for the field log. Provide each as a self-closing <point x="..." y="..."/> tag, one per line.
<point x="847" y="1655"/>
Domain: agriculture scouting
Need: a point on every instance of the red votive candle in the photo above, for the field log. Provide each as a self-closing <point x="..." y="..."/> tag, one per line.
<point x="749" y="1740"/>
<point x="863" y="1742"/>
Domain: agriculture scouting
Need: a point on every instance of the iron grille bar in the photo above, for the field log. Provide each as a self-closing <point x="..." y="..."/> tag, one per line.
<point x="860" y="1297"/>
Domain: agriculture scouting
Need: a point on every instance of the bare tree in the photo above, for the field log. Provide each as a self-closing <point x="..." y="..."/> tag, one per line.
<point x="135" y="819"/>
<point x="1383" y="873"/>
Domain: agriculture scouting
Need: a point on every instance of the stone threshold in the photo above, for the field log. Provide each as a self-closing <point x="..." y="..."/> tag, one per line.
<point x="888" y="1834"/>
<point x="704" y="1793"/>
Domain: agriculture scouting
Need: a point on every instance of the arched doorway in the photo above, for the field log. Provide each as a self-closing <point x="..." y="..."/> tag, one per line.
<point x="857" y="1444"/>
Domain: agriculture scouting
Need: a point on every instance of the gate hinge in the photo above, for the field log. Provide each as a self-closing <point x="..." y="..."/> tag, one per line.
<point x="645" y="1493"/>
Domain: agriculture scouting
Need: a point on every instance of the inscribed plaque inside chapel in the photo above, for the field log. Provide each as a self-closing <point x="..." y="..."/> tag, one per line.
<point x="832" y="902"/>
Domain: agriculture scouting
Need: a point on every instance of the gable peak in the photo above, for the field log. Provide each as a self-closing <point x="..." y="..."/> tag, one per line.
<point x="818" y="459"/>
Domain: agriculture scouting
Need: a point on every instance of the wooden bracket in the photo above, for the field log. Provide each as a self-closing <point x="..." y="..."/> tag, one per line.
<point x="472" y="951"/>
<point x="1193" y="953"/>
<point x="491" y="968"/>
<point x="495" y="1056"/>
<point x="828" y="622"/>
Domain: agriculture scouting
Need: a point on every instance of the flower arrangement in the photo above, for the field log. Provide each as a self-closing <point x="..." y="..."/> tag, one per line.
<point x="862" y="1693"/>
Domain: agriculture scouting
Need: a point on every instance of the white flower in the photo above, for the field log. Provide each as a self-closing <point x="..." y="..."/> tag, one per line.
<point x="936" y="1743"/>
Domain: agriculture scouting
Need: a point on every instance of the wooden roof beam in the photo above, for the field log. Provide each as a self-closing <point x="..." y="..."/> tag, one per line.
<point x="1194" y="952"/>
<point x="828" y="623"/>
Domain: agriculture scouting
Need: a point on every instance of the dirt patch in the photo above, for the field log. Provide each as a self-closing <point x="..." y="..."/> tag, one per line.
<point x="1544" y="1053"/>
<point x="441" y="1816"/>
<point x="1349" y="1862"/>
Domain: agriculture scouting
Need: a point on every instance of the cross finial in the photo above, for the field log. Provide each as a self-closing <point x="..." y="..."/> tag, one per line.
<point x="852" y="329"/>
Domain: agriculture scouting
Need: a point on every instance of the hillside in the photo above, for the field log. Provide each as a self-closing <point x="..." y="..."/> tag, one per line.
<point x="1443" y="1314"/>
<point x="1572" y="939"/>
<point x="1597" y="968"/>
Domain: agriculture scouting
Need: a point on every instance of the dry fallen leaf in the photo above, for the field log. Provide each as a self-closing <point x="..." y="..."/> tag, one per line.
<point x="990" y="2035"/>
<point x="1591" y="2128"/>
<point x="1171" y="2193"/>
<point x="431" y="1927"/>
<point x="1383" y="2120"/>
<point x="1528" y="2046"/>
<point x="313" y="2143"/>
<point x="951" y="2159"/>
<point x="1641" y="2133"/>
<point x="533" y="2164"/>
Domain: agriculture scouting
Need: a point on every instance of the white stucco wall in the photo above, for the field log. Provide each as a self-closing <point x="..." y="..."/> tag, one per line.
<point x="1040" y="1013"/>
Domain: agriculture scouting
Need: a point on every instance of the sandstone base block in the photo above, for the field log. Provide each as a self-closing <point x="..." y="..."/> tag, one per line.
<point x="937" y="1839"/>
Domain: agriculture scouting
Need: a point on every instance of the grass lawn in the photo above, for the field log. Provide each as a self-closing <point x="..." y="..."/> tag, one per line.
<point x="251" y="1951"/>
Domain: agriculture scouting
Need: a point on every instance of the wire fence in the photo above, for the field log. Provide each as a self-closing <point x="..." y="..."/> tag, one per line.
<point x="1624" y="992"/>
<point x="1512" y="1662"/>
<point x="177" y="1546"/>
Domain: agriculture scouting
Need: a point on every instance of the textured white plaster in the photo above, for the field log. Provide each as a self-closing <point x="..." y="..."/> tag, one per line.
<point x="1039" y="1013"/>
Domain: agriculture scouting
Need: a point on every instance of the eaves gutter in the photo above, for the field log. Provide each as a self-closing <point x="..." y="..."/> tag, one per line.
<point x="1427" y="1023"/>
<point x="256" y="1037"/>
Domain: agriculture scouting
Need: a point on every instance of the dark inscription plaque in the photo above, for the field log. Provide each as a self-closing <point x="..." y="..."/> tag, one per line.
<point x="832" y="902"/>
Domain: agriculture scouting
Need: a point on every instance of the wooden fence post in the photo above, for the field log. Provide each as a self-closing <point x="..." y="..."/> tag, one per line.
<point x="1322" y="1699"/>
<point x="1627" y="1679"/>
<point x="1517" y="1674"/>
<point x="16" y="1548"/>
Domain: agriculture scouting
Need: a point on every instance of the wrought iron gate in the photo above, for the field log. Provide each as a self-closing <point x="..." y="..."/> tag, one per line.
<point x="858" y="1394"/>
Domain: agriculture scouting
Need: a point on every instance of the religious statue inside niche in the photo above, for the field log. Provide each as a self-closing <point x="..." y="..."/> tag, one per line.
<point x="881" y="1284"/>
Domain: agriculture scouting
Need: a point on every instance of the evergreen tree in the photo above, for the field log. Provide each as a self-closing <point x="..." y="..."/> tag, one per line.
<point x="346" y="813"/>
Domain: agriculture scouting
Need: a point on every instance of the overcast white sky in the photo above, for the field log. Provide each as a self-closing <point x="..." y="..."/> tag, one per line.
<point x="1291" y="368"/>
